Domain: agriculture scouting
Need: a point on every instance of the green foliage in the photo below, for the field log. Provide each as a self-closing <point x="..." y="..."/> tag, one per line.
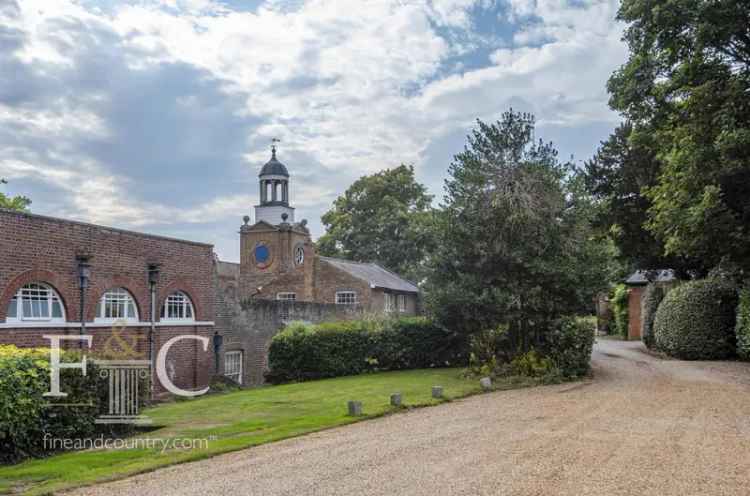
<point x="619" y="301"/>
<point x="20" y="203"/>
<point x="304" y="352"/>
<point x="385" y="217"/>
<point x="486" y="347"/>
<point x="514" y="243"/>
<point x="742" y="329"/>
<point x="569" y="345"/>
<point x="532" y="364"/>
<point x="651" y="299"/>
<point x="686" y="84"/>
<point x="696" y="321"/>
<point x="24" y="420"/>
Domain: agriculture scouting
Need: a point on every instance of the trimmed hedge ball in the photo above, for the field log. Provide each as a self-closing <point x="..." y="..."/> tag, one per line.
<point x="696" y="321"/>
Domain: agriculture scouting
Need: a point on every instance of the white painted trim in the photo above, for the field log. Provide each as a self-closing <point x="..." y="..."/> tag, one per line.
<point x="99" y="325"/>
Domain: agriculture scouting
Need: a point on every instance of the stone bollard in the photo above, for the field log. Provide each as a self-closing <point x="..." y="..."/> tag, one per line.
<point x="396" y="399"/>
<point x="437" y="391"/>
<point x="355" y="408"/>
<point x="486" y="383"/>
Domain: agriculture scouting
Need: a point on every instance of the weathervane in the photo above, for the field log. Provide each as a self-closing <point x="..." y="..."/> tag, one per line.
<point x="273" y="146"/>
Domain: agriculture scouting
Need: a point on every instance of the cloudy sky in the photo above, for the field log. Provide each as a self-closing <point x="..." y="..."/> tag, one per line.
<point x="157" y="115"/>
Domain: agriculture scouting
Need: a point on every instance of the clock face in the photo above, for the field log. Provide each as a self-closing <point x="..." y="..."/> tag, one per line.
<point x="262" y="254"/>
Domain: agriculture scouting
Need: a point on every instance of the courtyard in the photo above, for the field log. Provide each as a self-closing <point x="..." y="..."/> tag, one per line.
<point x="642" y="425"/>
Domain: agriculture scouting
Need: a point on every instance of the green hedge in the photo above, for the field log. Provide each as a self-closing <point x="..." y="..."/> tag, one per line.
<point x="24" y="420"/>
<point x="619" y="301"/>
<point x="569" y="344"/>
<point x="742" y="329"/>
<point x="651" y="299"/>
<point x="696" y="321"/>
<point x="304" y="352"/>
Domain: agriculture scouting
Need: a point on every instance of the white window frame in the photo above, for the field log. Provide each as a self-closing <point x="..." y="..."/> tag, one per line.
<point x="346" y="297"/>
<point x="235" y="363"/>
<point x="182" y="301"/>
<point x="299" y="255"/>
<point x="402" y="303"/>
<point x="390" y="302"/>
<point x="116" y="296"/>
<point x="286" y="296"/>
<point x="36" y="291"/>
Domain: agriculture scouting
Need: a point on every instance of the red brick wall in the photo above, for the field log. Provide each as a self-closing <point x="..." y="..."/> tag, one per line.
<point x="42" y="249"/>
<point x="634" y="312"/>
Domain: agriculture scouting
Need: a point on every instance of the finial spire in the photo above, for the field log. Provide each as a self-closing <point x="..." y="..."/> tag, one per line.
<point x="273" y="146"/>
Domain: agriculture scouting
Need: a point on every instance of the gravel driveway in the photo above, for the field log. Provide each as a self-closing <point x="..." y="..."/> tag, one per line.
<point x="643" y="426"/>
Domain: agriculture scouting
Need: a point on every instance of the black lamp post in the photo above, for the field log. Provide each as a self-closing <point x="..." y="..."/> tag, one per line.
<point x="218" y="341"/>
<point x="84" y="275"/>
<point x="153" y="280"/>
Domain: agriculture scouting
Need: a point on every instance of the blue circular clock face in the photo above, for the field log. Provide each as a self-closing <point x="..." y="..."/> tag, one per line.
<point x="262" y="254"/>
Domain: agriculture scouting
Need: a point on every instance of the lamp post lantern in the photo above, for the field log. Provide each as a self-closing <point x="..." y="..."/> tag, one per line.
<point x="84" y="275"/>
<point x="153" y="280"/>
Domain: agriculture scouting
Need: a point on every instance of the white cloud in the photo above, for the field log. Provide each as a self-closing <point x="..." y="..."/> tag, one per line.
<point x="349" y="87"/>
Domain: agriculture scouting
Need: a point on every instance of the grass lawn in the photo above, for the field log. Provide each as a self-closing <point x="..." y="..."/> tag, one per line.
<point x="237" y="420"/>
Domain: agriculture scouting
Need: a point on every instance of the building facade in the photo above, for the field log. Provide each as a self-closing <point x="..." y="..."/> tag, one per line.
<point x="41" y="259"/>
<point x="126" y="274"/>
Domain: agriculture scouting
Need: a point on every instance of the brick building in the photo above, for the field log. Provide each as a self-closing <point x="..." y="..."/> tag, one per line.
<point x="278" y="260"/>
<point x="279" y="278"/>
<point x="40" y="262"/>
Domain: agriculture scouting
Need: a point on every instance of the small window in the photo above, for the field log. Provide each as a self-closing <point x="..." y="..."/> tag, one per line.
<point x="346" y="298"/>
<point x="233" y="365"/>
<point x="177" y="306"/>
<point x="299" y="255"/>
<point x="402" y="303"/>
<point x="286" y="296"/>
<point x="35" y="302"/>
<point x="117" y="304"/>
<point x="390" y="302"/>
<point x="285" y="313"/>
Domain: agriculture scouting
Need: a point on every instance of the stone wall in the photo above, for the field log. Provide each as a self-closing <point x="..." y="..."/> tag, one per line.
<point x="249" y="326"/>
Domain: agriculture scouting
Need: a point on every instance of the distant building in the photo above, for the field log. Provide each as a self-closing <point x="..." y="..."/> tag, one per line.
<point x="637" y="281"/>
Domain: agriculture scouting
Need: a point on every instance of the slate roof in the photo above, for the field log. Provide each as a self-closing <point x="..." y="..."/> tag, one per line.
<point x="639" y="277"/>
<point x="274" y="168"/>
<point x="373" y="274"/>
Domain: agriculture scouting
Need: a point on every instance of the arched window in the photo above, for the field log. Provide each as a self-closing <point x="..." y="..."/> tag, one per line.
<point x="117" y="304"/>
<point x="177" y="306"/>
<point x="36" y="302"/>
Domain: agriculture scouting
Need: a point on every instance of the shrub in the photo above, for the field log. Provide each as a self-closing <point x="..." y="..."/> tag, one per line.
<point x="696" y="321"/>
<point x="619" y="300"/>
<point x="486" y="347"/>
<point x="24" y="420"/>
<point x="742" y="329"/>
<point x="304" y="352"/>
<point x="651" y="299"/>
<point x="569" y="344"/>
<point x="532" y="364"/>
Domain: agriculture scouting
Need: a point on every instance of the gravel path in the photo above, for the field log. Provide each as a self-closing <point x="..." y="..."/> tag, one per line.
<point x="643" y="426"/>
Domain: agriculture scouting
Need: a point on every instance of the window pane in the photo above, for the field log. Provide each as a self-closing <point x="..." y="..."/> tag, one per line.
<point x="189" y="311"/>
<point x="13" y="308"/>
<point x="27" y="308"/>
<point x="56" y="309"/>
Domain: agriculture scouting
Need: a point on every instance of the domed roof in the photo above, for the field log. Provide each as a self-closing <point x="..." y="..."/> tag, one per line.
<point x="273" y="167"/>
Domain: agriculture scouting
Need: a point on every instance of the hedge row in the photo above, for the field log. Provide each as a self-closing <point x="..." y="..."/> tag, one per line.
<point x="304" y="352"/>
<point x="569" y="344"/>
<point x="696" y="321"/>
<point x="24" y="419"/>
<point x="651" y="299"/>
<point x="742" y="329"/>
<point x="620" y="309"/>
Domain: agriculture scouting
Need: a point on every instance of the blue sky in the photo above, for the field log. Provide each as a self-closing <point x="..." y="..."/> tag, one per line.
<point x="157" y="115"/>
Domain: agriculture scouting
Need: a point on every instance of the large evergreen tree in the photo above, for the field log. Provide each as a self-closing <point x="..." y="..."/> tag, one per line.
<point x="687" y="80"/>
<point x="514" y="241"/>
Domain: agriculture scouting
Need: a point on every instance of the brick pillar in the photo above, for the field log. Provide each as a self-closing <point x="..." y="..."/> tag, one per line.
<point x="634" y="313"/>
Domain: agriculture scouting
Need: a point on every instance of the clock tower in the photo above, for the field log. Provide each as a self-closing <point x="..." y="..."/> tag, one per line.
<point x="276" y="253"/>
